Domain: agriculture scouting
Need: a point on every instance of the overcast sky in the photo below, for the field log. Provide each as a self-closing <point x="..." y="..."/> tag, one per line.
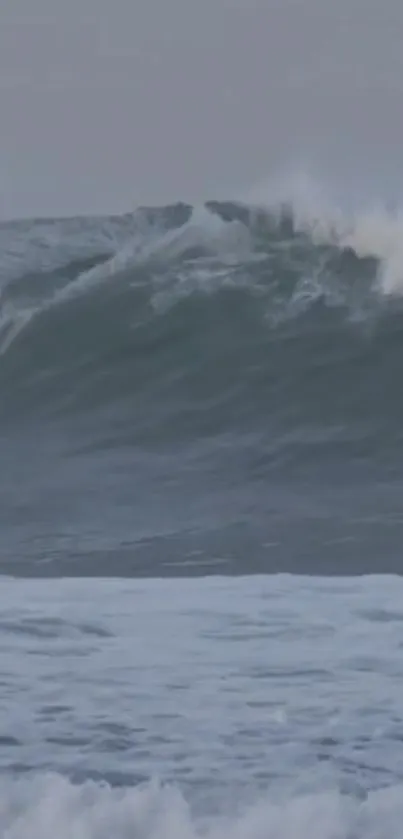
<point x="105" y="105"/>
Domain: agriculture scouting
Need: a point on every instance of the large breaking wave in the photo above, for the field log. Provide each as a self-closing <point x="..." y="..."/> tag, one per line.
<point x="224" y="378"/>
<point x="185" y="319"/>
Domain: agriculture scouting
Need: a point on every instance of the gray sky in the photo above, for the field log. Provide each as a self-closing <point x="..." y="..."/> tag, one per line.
<point x="105" y="105"/>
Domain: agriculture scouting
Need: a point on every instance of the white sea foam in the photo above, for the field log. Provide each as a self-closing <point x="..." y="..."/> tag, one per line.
<point x="49" y="806"/>
<point x="205" y="231"/>
<point x="243" y="684"/>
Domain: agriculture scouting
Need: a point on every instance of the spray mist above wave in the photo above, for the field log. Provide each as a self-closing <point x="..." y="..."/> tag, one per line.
<point x="371" y="229"/>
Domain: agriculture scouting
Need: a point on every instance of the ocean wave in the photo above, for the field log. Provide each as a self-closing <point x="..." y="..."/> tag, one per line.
<point x="49" y="805"/>
<point x="226" y="313"/>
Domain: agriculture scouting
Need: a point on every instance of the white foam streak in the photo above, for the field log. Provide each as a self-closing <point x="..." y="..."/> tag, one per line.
<point x="12" y="323"/>
<point x="47" y="806"/>
<point x="204" y="230"/>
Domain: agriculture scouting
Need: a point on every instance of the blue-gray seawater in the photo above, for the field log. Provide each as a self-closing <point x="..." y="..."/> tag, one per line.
<point x="201" y="607"/>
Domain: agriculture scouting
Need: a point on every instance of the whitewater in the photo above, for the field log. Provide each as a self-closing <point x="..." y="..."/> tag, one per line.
<point x="200" y="442"/>
<point x="259" y="707"/>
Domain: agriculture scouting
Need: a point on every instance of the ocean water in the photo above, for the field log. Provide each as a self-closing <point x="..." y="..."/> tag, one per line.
<point x="201" y="520"/>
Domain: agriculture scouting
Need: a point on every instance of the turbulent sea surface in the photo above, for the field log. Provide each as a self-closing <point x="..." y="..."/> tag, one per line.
<point x="210" y="393"/>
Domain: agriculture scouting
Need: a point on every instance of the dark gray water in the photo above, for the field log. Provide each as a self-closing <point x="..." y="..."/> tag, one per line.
<point x="200" y="391"/>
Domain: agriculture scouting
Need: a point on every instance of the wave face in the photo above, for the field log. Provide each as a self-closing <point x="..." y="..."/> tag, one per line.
<point x="234" y="346"/>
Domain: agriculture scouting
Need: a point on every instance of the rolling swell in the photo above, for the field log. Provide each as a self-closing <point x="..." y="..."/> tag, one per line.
<point x="234" y="366"/>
